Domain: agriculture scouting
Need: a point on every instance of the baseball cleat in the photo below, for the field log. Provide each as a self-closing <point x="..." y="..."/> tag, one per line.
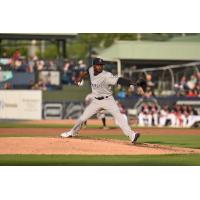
<point x="137" y="135"/>
<point x="66" y="134"/>
<point x="105" y="128"/>
<point x="84" y="127"/>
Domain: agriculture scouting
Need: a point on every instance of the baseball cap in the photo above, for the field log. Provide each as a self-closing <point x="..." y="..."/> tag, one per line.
<point x="98" y="61"/>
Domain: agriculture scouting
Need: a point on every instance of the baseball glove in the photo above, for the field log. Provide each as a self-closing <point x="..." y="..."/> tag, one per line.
<point x="142" y="83"/>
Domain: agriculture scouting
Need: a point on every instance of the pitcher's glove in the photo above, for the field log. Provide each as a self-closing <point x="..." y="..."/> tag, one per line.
<point x="142" y="83"/>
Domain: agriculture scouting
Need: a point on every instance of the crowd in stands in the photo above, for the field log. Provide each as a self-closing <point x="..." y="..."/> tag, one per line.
<point x="189" y="86"/>
<point x="19" y="63"/>
<point x="177" y="116"/>
<point x="122" y="92"/>
<point x="69" y="69"/>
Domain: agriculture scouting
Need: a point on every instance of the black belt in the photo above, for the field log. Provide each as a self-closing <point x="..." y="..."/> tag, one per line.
<point x="101" y="98"/>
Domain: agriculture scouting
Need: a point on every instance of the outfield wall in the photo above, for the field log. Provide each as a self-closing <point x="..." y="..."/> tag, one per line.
<point x="73" y="109"/>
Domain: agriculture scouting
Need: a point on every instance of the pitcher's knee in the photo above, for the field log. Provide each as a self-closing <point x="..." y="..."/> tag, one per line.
<point x="82" y="119"/>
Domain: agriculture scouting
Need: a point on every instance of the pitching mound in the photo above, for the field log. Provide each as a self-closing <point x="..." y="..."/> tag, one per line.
<point x="39" y="145"/>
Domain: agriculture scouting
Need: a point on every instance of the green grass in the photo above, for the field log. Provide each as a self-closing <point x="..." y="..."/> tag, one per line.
<point x="190" y="141"/>
<point x="96" y="160"/>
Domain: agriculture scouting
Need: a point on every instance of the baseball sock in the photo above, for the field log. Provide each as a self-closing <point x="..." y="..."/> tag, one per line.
<point x="104" y="121"/>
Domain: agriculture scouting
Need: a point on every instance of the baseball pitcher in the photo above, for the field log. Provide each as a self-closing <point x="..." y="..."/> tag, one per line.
<point x="101" y="84"/>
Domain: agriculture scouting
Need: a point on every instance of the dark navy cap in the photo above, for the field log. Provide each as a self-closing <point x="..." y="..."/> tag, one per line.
<point x="98" y="61"/>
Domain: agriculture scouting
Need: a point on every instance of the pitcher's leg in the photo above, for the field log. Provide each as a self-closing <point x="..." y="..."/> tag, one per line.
<point x="123" y="124"/>
<point x="88" y="112"/>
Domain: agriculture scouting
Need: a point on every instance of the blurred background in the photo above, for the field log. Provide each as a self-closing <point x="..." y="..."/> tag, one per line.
<point x="37" y="74"/>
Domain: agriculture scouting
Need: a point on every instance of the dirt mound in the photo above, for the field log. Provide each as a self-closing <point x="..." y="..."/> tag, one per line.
<point x="52" y="145"/>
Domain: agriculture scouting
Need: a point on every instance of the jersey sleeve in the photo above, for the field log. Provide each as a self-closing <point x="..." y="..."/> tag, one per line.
<point x="111" y="79"/>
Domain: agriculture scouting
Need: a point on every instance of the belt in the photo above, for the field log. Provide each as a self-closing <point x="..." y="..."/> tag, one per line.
<point x="101" y="98"/>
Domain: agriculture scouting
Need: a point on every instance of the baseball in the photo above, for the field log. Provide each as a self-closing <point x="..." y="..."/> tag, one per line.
<point x="80" y="83"/>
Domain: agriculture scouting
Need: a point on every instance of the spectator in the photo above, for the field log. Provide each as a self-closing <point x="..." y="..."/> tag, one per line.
<point x="180" y="87"/>
<point x="51" y="65"/>
<point x="17" y="65"/>
<point x="192" y="93"/>
<point x="121" y="93"/>
<point x="148" y="92"/>
<point x="7" y="86"/>
<point x="82" y="65"/>
<point x="30" y="65"/>
<point x="4" y="54"/>
<point x="16" y="55"/>
<point x="66" y="73"/>
<point x="66" y="67"/>
<point x="150" y="86"/>
<point x="192" y="82"/>
<point x="129" y="92"/>
<point x="24" y="65"/>
<point x="40" y="65"/>
<point x="189" y="88"/>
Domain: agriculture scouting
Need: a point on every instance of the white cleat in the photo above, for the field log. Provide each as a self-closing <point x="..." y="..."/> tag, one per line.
<point x="66" y="134"/>
<point x="105" y="128"/>
<point x="135" y="137"/>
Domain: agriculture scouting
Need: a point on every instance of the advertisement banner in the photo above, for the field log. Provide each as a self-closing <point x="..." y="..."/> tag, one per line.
<point x="20" y="104"/>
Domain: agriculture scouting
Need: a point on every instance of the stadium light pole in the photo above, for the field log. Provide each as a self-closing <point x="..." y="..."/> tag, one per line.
<point x="64" y="48"/>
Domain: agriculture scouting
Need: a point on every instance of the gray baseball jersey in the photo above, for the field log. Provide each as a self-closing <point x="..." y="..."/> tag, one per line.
<point x="101" y="83"/>
<point x="101" y="87"/>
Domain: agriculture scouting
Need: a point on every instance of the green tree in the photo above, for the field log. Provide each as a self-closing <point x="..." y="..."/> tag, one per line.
<point x="79" y="48"/>
<point x="51" y="52"/>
